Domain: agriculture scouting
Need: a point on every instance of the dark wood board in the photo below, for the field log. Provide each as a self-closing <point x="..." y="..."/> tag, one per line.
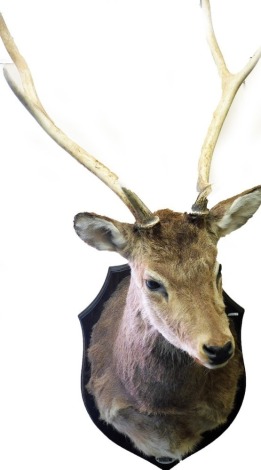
<point x="91" y="315"/>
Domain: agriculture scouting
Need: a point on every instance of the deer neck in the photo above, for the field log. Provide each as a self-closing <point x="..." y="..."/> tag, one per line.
<point x="149" y="366"/>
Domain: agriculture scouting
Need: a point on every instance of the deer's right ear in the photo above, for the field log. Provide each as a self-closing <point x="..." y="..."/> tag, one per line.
<point x="101" y="233"/>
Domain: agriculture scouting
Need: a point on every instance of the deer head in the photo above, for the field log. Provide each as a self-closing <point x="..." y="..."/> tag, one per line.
<point x="176" y="279"/>
<point x="175" y="276"/>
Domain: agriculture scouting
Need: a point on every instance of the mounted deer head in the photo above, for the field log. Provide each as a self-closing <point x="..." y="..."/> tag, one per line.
<point x="175" y="291"/>
<point x="175" y="271"/>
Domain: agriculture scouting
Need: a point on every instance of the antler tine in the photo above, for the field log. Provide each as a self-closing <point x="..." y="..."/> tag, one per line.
<point x="23" y="87"/>
<point x="230" y="85"/>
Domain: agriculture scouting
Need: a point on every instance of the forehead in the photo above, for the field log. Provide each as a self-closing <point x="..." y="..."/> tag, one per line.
<point x="181" y="243"/>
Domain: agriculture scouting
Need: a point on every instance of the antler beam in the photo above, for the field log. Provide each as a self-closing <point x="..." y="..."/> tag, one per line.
<point x="23" y="86"/>
<point x="230" y="85"/>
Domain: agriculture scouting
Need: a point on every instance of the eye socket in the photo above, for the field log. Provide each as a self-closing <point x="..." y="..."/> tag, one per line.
<point x="153" y="285"/>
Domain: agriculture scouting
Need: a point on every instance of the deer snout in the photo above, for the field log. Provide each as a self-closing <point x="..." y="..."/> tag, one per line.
<point x="218" y="355"/>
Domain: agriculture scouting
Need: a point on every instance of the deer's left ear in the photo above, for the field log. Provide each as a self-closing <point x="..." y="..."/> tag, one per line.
<point x="234" y="212"/>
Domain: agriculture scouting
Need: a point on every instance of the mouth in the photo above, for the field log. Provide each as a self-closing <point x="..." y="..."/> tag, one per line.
<point x="209" y="365"/>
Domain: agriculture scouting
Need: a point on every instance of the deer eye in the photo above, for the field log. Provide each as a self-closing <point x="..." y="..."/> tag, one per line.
<point x="153" y="285"/>
<point x="219" y="274"/>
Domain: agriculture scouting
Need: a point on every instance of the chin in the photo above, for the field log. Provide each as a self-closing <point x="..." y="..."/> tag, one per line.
<point x="208" y="365"/>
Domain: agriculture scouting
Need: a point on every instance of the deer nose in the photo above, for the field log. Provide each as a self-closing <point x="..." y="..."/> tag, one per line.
<point x="218" y="354"/>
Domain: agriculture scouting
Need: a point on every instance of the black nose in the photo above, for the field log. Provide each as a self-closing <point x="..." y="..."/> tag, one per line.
<point x="218" y="355"/>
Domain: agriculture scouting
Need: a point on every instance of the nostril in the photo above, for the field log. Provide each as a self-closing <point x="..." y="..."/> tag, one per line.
<point x="211" y="351"/>
<point x="218" y="354"/>
<point x="228" y="348"/>
<point x="215" y="350"/>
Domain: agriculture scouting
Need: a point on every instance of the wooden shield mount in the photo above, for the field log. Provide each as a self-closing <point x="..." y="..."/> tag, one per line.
<point x="91" y="315"/>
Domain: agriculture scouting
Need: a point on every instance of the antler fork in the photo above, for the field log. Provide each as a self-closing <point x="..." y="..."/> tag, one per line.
<point x="230" y="85"/>
<point x="23" y="86"/>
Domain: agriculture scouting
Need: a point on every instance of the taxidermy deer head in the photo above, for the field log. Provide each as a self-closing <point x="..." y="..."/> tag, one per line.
<point x="164" y="343"/>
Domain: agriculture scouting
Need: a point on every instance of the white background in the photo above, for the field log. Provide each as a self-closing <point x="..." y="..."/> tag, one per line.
<point x="134" y="83"/>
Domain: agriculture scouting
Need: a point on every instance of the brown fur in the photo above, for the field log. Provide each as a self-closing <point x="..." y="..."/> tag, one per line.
<point x="145" y="386"/>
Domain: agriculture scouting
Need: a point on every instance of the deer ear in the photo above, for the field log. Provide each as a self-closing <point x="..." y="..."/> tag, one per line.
<point x="232" y="213"/>
<point x="101" y="232"/>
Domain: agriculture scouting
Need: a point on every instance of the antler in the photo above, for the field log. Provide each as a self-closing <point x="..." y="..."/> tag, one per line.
<point x="23" y="86"/>
<point x="230" y="85"/>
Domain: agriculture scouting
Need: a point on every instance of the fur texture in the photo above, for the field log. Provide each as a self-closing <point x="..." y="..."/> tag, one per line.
<point x="152" y="376"/>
